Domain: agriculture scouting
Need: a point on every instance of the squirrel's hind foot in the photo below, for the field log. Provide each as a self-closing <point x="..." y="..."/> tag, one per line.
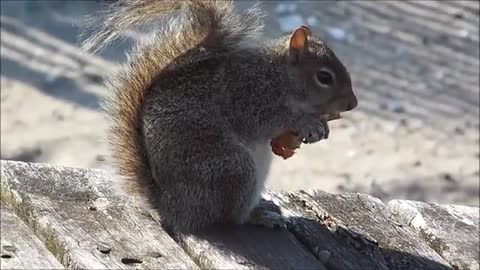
<point x="263" y="215"/>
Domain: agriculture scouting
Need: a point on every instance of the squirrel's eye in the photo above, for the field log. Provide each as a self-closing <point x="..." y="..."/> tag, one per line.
<point x="324" y="78"/>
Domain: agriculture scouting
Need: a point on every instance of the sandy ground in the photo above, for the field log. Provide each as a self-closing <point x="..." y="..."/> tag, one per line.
<point x="415" y="67"/>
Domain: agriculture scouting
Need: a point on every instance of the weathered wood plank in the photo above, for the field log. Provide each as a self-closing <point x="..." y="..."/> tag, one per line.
<point x="80" y="219"/>
<point x="450" y="230"/>
<point x="75" y="213"/>
<point x="353" y="231"/>
<point x="338" y="249"/>
<point x="249" y="247"/>
<point x="21" y="249"/>
<point x="84" y="217"/>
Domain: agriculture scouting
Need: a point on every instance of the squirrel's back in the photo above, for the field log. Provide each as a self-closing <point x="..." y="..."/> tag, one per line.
<point x="209" y="25"/>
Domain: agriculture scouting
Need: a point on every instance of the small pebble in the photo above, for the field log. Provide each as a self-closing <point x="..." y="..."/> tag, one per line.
<point x="417" y="163"/>
<point x="9" y="248"/>
<point x="155" y="254"/>
<point x="324" y="256"/>
<point x="103" y="248"/>
<point x="131" y="261"/>
<point x="6" y="255"/>
<point x="449" y="178"/>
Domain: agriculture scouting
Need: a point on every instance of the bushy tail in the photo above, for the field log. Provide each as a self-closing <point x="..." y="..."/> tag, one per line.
<point x="207" y="23"/>
<point x="211" y="21"/>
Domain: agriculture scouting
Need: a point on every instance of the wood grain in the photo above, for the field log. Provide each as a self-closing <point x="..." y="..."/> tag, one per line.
<point x="451" y="230"/>
<point x="79" y="219"/>
<point x="249" y="247"/>
<point x="349" y="231"/>
<point x="20" y="248"/>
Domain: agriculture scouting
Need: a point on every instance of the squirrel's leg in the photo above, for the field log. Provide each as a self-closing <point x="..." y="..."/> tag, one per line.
<point x="208" y="183"/>
<point x="264" y="214"/>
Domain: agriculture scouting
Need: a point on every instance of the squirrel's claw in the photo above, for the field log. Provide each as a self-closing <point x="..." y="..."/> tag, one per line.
<point x="314" y="131"/>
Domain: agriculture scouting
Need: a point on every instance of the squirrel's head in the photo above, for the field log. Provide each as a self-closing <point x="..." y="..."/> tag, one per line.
<point x="322" y="83"/>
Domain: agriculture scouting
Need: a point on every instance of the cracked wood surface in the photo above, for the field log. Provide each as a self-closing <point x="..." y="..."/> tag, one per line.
<point x="349" y="231"/>
<point x="77" y="216"/>
<point x="21" y="249"/>
<point x="83" y="223"/>
<point x="451" y="230"/>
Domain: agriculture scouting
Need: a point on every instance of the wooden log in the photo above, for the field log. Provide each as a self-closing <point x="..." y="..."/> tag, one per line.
<point x="451" y="230"/>
<point x="249" y="247"/>
<point x="354" y="231"/>
<point x="76" y="211"/>
<point x="21" y="249"/>
<point x="337" y="250"/>
<point x="79" y="219"/>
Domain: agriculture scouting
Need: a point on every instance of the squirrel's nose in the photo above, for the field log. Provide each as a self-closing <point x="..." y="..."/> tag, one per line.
<point x="352" y="103"/>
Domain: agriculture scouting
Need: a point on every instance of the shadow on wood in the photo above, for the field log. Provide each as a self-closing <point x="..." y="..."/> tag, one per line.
<point x="80" y="219"/>
<point x="255" y="247"/>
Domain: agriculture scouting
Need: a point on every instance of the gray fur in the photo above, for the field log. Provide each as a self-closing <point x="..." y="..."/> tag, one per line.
<point x="211" y="101"/>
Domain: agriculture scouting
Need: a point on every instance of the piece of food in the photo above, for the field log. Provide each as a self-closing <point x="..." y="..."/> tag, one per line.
<point x="285" y="144"/>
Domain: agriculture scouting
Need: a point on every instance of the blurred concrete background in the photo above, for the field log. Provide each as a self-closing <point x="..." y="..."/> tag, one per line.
<point x="414" y="66"/>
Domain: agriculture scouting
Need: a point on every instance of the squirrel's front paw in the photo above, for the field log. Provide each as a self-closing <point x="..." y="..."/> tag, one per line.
<point x="314" y="130"/>
<point x="266" y="218"/>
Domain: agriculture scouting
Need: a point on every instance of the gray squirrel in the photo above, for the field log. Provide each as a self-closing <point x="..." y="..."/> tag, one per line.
<point x="195" y="107"/>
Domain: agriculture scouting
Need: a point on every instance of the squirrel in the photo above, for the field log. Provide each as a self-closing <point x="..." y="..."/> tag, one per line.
<point x="196" y="104"/>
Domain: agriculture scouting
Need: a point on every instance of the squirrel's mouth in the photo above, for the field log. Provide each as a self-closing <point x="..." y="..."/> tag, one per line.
<point x="333" y="111"/>
<point x="330" y="116"/>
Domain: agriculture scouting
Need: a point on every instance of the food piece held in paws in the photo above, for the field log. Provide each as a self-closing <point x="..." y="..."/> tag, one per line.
<point x="285" y="144"/>
<point x="290" y="139"/>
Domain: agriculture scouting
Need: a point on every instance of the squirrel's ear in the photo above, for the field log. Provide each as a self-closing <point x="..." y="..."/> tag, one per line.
<point x="299" y="42"/>
<point x="307" y="30"/>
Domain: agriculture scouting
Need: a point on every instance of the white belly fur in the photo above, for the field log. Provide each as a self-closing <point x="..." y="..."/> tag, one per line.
<point x="262" y="156"/>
